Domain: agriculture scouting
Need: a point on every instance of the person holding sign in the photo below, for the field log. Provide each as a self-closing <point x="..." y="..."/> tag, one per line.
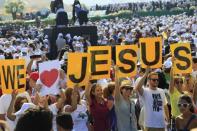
<point x="175" y="91"/>
<point x="124" y="107"/>
<point x="99" y="108"/>
<point x="155" y="103"/>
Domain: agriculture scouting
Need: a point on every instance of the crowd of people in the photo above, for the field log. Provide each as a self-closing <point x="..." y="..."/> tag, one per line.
<point x="154" y="100"/>
<point x="146" y="6"/>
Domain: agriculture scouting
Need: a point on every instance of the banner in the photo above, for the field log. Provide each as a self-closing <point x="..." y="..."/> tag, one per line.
<point x="183" y="58"/>
<point x="126" y="59"/>
<point x="151" y="52"/>
<point x="49" y="77"/>
<point x="100" y="61"/>
<point x="78" y="69"/>
<point x="13" y="75"/>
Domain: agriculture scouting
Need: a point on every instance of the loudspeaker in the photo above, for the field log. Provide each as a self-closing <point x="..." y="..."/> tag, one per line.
<point x="89" y="32"/>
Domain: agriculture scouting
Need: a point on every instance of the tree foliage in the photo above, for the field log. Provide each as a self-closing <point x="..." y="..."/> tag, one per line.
<point x="14" y="7"/>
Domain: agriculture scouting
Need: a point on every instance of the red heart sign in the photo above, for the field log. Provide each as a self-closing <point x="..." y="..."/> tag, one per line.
<point x="48" y="78"/>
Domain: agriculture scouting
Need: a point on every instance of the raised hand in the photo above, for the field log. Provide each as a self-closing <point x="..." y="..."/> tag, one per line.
<point x="14" y="94"/>
<point x="148" y="70"/>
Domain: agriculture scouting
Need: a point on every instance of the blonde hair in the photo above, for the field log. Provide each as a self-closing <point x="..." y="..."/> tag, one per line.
<point x="151" y="74"/>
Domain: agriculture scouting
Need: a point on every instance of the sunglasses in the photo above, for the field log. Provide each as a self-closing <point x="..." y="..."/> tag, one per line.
<point x="179" y="82"/>
<point x="155" y="80"/>
<point x="127" y="88"/>
<point x="185" y="105"/>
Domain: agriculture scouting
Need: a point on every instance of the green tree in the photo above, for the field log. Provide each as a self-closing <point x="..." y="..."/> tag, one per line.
<point x="14" y="7"/>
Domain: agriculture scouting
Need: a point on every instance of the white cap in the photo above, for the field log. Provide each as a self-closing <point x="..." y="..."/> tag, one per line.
<point x="68" y="35"/>
<point x="2" y="57"/>
<point x="8" y="51"/>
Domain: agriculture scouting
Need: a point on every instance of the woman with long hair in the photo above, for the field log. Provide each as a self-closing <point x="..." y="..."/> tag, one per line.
<point x="98" y="107"/>
<point x="187" y="120"/>
<point x="124" y="106"/>
<point x="77" y="108"/>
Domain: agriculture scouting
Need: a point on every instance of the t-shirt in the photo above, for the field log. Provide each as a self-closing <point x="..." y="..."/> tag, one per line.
<point x="125" y="113"/>
<point x="194" y="27"/>
<point x="100" y="114"/>
<point x="80" y="118"/>
<point x="174" y="97"/>
<point x="154" y="101"/>
<point x="5" y="101"/>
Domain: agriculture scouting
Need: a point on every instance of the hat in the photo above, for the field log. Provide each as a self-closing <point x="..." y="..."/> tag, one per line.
<point x="68" y="36"/>
<point x="8" y="51"/>
<point x="34" y="76"/>
<point x="60" y="35"/>
<point x="127" y="84"/>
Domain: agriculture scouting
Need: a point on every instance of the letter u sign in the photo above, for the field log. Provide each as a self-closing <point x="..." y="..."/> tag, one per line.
<point x="151" y="52"/>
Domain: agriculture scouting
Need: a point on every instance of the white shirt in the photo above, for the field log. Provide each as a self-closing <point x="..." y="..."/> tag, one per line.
<point x="154" y="101"/>
<point x="54" y="110"/>
<point x="5" y="101"/>
<point x="194" y="27"/>
<point x="80" y="118"/>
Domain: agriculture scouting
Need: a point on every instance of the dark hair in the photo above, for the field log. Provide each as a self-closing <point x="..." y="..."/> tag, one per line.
<point x="108" y="91"/>
<point x="65" y="121"/>
<point x="189" y="101"/>
<point x="93" y="88"/>
<point x="68" y="94"/>
<point x="18" y="103"/>
<point x="194" y="60"/>
<point x="35" y="120"/>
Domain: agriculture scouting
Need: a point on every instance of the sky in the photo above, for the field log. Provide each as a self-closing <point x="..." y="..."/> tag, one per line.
<point x="103" y="2"/>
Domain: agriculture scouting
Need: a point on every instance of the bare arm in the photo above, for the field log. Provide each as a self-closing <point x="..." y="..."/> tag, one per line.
<point x="87" y="92"/>
<point x="60" y="102"/>
<point x="167" y="113"/>
<point x="171" y="86"/>
<point x="117" y="86"/>
<point x="138" y="87"/>
<point x="10" y="112"/>
<point x="4" y="125"/>
<point x="195" y="92"/>
<point x="74" y="98"/>
<point x="29" y="66"/>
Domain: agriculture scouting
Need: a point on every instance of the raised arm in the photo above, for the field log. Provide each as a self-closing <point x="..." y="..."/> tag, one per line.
<point x="138" y="87"/>
<point x="60" y="102"/>
<point x="10" y="112"/>
<point x="74" y="98"/>
<point x="171" y="86"/>
<point x="87" y="92"/>
<point x="117" y="86"/>
<point x="29" y="66"/>
<point x="195" y="91"/>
